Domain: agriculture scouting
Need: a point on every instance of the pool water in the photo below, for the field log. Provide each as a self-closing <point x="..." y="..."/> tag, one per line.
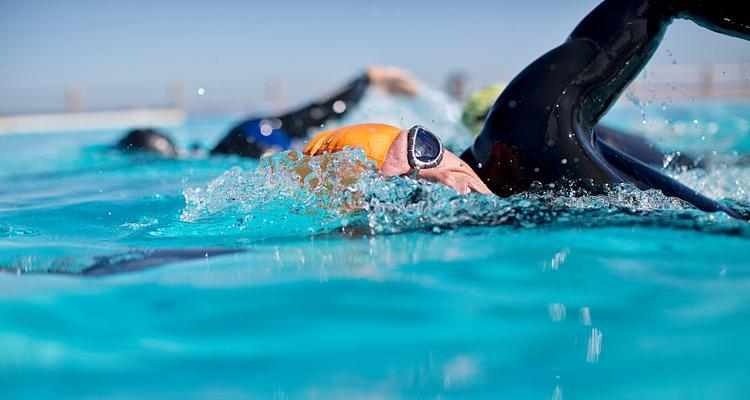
<point x="425" y="294"/>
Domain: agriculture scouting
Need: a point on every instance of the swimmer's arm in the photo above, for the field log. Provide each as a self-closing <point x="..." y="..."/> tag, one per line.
<point x="300" y="121"/>
<point x="392" y="80"/>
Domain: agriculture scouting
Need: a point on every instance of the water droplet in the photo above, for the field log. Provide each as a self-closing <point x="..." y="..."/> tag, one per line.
<point x="339" y="106"/>
<point x="266" y="129"/>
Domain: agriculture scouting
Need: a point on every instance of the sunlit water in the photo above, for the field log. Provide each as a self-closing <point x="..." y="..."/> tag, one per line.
<point x="366" y="287"/>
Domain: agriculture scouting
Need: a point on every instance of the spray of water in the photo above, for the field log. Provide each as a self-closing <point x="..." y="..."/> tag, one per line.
<point x="292" y="193"/>
<point x="345" y="190"/>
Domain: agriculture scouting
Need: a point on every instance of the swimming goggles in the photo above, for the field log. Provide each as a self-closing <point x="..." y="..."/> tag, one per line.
<point x="423" y="150"/>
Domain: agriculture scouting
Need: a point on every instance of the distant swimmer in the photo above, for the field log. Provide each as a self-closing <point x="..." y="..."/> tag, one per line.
<point x="149" y="140"/>
<point x="542" y="129"/>
<point x="258" y="135"/>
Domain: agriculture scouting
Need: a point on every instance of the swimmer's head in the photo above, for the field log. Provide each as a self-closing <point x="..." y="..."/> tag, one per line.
<point x="254" y="138"/>
<point x="448" y="169"/>
<point x="400" y="152"/>
<point x="478" y="106"/>
<point x="148" y="140"/>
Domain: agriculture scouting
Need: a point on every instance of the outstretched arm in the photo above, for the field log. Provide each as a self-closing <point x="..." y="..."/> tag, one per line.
<point x="627" y="33"/>
<point x="297" y="122"/>
<point x="254" y="137"/>
<point x="333" y="107"/>
<point x="540" y="128"/>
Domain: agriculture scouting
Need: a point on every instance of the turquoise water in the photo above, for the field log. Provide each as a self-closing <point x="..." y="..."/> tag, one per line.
<point x="425" y="294"/>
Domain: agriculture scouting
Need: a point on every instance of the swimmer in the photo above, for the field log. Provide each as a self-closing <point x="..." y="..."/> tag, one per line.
<point x="259" y="135"/>
<point x="148" y="140"/>
<point x="478" y="106"/>
<point x="542" y="129"/>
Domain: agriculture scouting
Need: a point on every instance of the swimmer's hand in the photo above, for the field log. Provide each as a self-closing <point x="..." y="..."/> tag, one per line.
<point x="393" y="80"/>
<point x="459" y="177"/>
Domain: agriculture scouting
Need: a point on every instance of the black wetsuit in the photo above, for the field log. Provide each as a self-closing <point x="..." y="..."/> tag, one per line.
<point x="254" y="136"/>
<point x="542" y="128"/>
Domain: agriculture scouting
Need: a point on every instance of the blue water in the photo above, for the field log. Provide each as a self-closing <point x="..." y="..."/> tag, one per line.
<point x="424" y="294"/>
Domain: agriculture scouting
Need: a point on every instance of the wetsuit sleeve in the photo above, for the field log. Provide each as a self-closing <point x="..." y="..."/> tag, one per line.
<point x="541" y="128"/>
<point x="298" y="123"/>
<point x="643" y="150"/>
<point x="626" y="34"/>
<point x="254" y="137"/>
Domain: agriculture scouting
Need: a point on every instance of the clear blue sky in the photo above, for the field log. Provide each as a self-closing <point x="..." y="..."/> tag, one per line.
<point x="124" y="53"/>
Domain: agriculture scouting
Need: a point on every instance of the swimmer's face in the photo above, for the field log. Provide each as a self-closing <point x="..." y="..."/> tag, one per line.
<point x="452" y="171"/>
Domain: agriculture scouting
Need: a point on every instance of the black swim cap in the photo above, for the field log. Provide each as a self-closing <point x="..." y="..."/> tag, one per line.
<point x="148" y="140"/>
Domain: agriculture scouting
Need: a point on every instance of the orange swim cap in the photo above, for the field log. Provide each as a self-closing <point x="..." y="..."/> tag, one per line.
<point x="373" y="139"/>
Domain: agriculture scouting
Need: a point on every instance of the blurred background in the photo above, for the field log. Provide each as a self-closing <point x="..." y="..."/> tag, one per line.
<point x="170" y="59"/>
